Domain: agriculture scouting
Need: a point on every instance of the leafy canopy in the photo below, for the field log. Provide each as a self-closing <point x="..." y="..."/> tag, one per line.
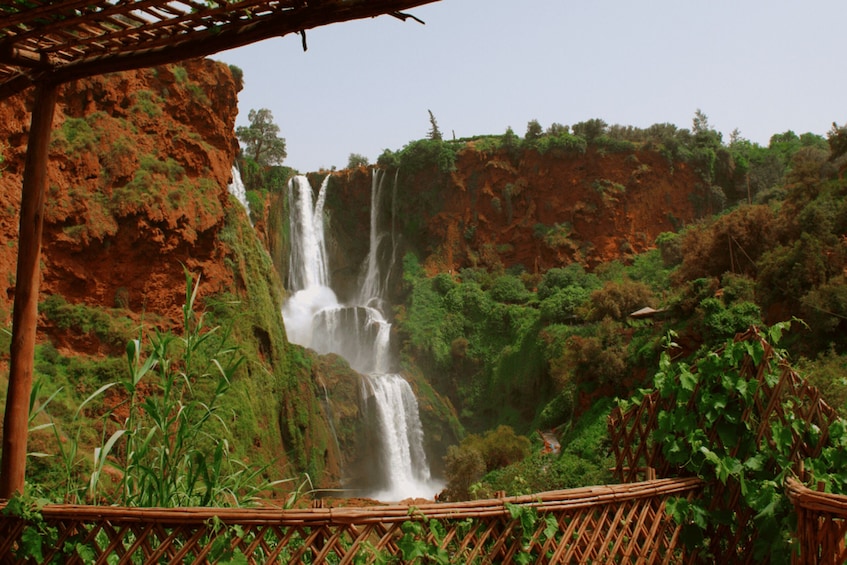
<point x="261" y="138"/>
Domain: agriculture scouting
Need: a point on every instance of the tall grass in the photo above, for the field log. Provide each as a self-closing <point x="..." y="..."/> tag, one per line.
<point x="169" y="447"/>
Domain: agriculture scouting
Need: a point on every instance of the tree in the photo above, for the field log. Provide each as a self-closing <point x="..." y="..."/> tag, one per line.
<point x="591" y="129"/>
<point x="261" y="139"/>
<point x="533" y="130"/>
<point x="355" y="161"/>
<point x="704" y="134"/>
<point x="434" y="133"/>
<point x="837" y="138"/>
<point x="558" y="129"/>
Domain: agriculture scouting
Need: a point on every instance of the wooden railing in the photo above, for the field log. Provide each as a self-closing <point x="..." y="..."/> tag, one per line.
<point x="603" y="524"/>
<point x="634" y="450"/>
<point x="821" y="525"/>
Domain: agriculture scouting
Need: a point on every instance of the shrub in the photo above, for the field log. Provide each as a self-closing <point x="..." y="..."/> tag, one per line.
<point x="599" y="359"/>
<point x="147" y="102"/>
<point x="509" y="289"/>
<point x="584" y="460"/>
<point x="462" y="468"/>
<point x="557" y="236"/>
<point x="724" y="322"/>
<point x="748" y="231"/>
<point x="828" y="373"/>
<point x="78" y="134"/>
<point x="443" y="283"/>
<point x="617" y="300"/>
<point x="111" y="327"/>
<point x="238" y="76"/>
<point x="180" y="74"/>
<point x="670" y="247"/>
<point x="557" y="411"/>
<point x="562" y="142"/>
<point x="562" y="306"/>
<point x="612" y="145"/>
<point x="650" y="268"/>
<point x="502" y="447"/>
<point x="428" y="153"/>
<point x="563" y="277"/>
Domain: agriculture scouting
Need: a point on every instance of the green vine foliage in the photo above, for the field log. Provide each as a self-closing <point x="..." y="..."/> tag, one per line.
<point x="710" y="429"/>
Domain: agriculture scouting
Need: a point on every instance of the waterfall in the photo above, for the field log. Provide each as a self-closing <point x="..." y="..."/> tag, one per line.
<point x="236" y="188"/>
<point x="360" y="333"/>
<point x="308" y="276"/>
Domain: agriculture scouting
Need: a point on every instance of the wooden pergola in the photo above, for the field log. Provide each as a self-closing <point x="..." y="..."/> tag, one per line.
<point x="44" y="44"/>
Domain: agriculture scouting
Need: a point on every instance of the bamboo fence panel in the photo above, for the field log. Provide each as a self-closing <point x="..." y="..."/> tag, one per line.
<point x="601" y="524"/>
<point x="635" y="453"/>
<point x="821" y="525"/>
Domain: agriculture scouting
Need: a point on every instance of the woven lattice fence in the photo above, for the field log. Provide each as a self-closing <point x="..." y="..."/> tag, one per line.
<point x="774" y="381"/>
<point x="821" y="525"/>
<point x="604" y="524"/>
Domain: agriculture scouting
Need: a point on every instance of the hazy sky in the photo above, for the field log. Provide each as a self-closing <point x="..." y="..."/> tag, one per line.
<point x="762" y="66"/>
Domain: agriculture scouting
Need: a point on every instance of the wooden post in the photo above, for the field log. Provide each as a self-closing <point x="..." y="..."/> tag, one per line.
<point x="27" y="280"/>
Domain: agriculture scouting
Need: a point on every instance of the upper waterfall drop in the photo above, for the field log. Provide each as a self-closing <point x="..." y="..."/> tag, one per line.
<point x="360" y="333"/>
<point x="237" y="189"/>
<point x="308" y="276"/>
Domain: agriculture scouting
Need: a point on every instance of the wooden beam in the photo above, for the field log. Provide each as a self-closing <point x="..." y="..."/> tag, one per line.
<point x="27" y="282"/>
<point x="207" y="42"/>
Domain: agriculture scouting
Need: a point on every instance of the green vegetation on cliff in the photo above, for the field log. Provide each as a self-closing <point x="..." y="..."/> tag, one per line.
<point x="536" y="350"/>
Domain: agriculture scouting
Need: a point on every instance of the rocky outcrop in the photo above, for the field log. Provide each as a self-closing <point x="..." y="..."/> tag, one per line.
<point x="138" y="173"/>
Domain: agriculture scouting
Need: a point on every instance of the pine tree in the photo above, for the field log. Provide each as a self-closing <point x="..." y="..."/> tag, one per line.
<point x="434" y="132"/>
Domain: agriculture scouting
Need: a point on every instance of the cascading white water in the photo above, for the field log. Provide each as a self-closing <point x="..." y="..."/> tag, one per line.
<point x="237" y="189"/>
<point x="308" y="277"/>
<point x="360" y="333"/>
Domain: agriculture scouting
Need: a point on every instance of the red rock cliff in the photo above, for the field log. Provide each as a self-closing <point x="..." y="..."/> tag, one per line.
<point x="138" y="174"/>
<point x="539" y="211"/>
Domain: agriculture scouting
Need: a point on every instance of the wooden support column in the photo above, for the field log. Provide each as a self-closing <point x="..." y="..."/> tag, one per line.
<point x="27" y="281"/>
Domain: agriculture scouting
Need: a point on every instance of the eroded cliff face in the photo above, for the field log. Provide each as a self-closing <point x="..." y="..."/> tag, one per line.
<point x="497" y="210"/>
<point x="545" y="211"/>
<point x="138" y="172"/>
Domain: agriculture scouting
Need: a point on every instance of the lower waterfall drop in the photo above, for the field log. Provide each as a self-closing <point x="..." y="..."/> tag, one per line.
<point x="360" y="333"/>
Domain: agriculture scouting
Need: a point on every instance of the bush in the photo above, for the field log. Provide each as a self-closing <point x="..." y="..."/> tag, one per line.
<point x="462" y="468"/>
<point x="617" y="300"/>
<point x="724" y="322"/>
<point x="557" y="411"/>
<point x="828" y="373"/>
<point x="650" y="268"/>
<point x="559" y="278"/>
<point x="238" y="76"/>
<point x="612" y="145"/>
<point x="584" y="460"/>
<point x="562" y="142"/>
<point x="77" y="134"/>
<point x="509" y="289"/>
<point x="428" y="153"/>
<point x="466" y="463"/>
<point x="110" y="327"/>
<point x="562" y="306"/>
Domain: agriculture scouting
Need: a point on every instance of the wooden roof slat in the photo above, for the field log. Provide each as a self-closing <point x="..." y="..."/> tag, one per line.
<point x="77" y="38"/>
